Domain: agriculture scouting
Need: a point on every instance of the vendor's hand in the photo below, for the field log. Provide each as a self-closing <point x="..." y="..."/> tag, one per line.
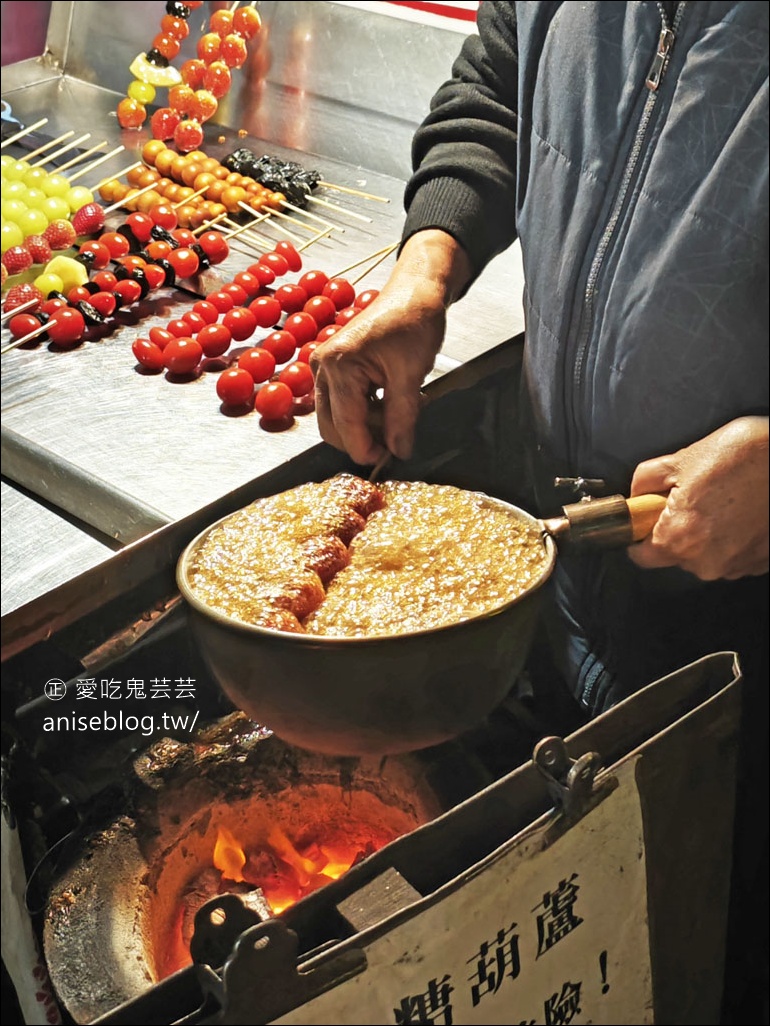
<point x="390" y="345"/>
<point x="715" y="523"/>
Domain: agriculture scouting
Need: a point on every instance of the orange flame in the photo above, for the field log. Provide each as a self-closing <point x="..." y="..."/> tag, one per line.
<point x="229" y="857"/>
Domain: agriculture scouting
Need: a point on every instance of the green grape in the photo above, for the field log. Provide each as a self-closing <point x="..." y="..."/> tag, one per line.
<point x="32" y="222"/>
<point x="13" y="209"/>
<point x="35" y="177"/>
<point x="35" y="199"/>
<point x="15" y="190"/>
<point x="56" y="208"/>
<point x="78" y="196"/>
<point x="49" y="283"/>
<point x="144" y="92"/>
<point x="11" y="235"/>
<point x="16" y="171"/>
<point x="55" y="185"/>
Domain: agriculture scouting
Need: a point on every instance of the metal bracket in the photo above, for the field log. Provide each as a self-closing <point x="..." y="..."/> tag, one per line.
<point x="261" y="977"/>
<point x="582" y="487"/>
<point x="571" y="782"/>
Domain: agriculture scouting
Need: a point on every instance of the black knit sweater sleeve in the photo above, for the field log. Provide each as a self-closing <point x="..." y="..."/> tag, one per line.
<point x="464" y="153"/>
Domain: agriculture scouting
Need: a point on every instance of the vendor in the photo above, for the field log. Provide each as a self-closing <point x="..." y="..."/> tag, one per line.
<point x="625" y="145"/>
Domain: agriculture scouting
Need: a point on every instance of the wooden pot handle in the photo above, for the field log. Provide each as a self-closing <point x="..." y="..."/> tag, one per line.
<point x="644" y="511"/>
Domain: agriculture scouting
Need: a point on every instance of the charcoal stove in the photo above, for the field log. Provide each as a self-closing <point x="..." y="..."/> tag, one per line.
<point x="429" y="928"/>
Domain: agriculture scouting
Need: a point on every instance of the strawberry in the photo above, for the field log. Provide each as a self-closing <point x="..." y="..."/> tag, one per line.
<point x="21" y="294"/>
<point x="38" y="249"/>
<point x="89" y="219"/>
<point x="59" y="234"/>
<point x="16" y="259"/>
<point x="3" y="274"/>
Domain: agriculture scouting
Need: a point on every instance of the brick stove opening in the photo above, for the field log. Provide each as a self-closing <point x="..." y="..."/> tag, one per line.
<point x="120" y="917"/>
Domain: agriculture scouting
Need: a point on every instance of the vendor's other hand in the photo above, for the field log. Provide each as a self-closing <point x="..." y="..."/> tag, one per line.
<point x="715" y="523"/>
<point x="390" y="345"/>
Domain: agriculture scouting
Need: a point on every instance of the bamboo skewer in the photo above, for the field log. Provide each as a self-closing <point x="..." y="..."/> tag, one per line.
<point x="80" y="156"/>
<point x="376" y="263"/>
<point x="295" y="220"/>
<point x="380" y="252"/>
<point x="208" y="224"/>
<point x="245" y="227"/>
<point x="49" y="145"/>
<point x="64" y="149"/>
<point x="354" y="192"/>
<point x="102" y="160"/>
<point x="25" y="338"/>
<point x="7" y="314"/>
<point x="313" y="217"/>
<point x="291" y="235"/>
<point x="118" y="174"/>
<point x="339" y="210"/>
<point x="317" y="238"/>
<point x="23" y="132"/>
<point x="128" y="199"/>
<point x="181" y="203"/>
<point x="254" y="238"/>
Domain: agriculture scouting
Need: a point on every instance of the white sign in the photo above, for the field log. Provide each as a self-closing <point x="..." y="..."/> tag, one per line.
<point x="530" y="935"/>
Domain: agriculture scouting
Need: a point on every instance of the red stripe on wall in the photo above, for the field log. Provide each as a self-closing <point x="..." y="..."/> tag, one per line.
<point x="444" y="10"/>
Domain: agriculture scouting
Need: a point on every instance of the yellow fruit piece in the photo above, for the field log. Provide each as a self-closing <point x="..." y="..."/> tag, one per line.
<point x="71" y="272"/>
<point x="146" y="72"/>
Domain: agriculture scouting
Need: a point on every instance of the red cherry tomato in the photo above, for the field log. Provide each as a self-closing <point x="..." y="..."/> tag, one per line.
<point x="104" y="303"/>
<point x="274" y="401"/>
<point x="281" y="344"/>
<point x="299" y="378"/>
<point x="327" y="332"/>
<point x="264" y="274"/>
<point x="340" y="291"/>
<point x="267" y="311"/>
<point x="158" y="250"/>
<point x="214" y="340"/>
<point x="102" y="255"/>
<point x="131" y="261"/>
<point x="148" y="354"/>
<point x="207" y="311"/>
<point x="291" y="297"/>
<point x="259" y="363"/>
<point x="116" y="243"/>
<point x="248" y="282"/>
<point x="215" y="246"/>
<point x="21" y="325"/>
<point x="184" y="236"/>
<point x="290" y="255"/>
<point x="363" y="299"/>
<point x="346" y="314"/>
<point x="222" y="301"/>
<point x="155" y="275"/>
<point x="161" y="337"/>
<point x="235" y="387"/>
<point x="277" y="263"/>
<point x="233" y="50"/>
<point x="240" y="322"/>
<point x="128" y="291"/>
<point x="141" y="225"/>
<point x="66" y="327"/>
<point x="106" y="281"/>
<point x="184" y="261"/>
<point x="314" y="282"/>
<point x="306" y="351"/>
<point x="302" y="326"/>
<point x="78" y="295"/>
<point x="321" y="309"/>
<point x="178" y="327"/>
<point x="182" y="355"/>
<point x="49" y="305"/>
<point x="194" y="320"/>
<point x="238" y="294"/>
<point x="164" y="215"/>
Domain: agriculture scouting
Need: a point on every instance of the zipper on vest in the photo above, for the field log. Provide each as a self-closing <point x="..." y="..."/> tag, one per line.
<point x="654" y="78"/>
